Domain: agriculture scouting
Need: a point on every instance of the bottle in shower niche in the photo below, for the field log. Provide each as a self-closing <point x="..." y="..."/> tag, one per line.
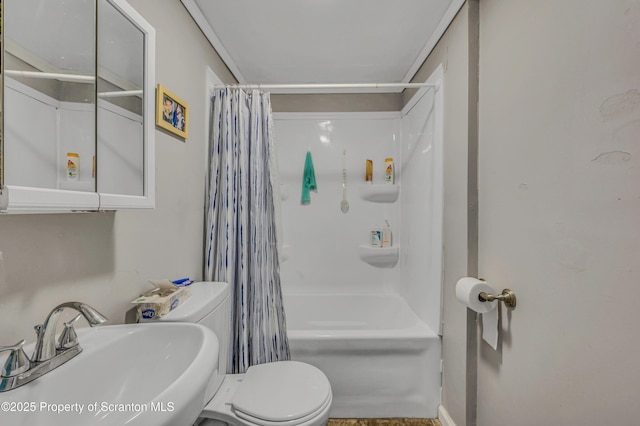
<point x="73" y="167"/>
<point x="368" y="174"/>
<point x="386" y="234"/>
<point x="388" y="171"/>
<point x="375" y="238"/>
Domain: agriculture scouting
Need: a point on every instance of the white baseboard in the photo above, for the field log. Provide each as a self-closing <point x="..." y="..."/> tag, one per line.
<point x="443" y="416"/>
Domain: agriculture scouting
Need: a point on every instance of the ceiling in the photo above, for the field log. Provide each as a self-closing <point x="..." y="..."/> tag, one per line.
<point x="323" y="41"/>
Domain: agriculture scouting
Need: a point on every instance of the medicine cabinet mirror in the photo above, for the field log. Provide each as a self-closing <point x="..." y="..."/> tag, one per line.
<point x="77" y="107"/>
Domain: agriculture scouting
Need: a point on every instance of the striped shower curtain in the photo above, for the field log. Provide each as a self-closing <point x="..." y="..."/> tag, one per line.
<point x="241" y="246"/>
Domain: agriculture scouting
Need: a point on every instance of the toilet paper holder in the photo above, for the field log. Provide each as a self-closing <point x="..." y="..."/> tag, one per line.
<point x="507" y="296"/>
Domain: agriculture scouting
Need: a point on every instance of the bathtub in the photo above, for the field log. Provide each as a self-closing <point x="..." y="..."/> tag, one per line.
<point x="381" y="359"/>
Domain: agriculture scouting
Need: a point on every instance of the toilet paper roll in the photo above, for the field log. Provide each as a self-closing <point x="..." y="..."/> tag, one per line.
<point x="467" y="291"/>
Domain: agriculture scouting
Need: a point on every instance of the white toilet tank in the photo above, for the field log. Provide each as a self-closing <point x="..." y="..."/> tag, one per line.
<point x="209" y="305"/>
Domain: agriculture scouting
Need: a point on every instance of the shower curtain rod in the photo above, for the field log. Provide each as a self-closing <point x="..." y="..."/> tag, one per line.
<point x="332" y="86"/>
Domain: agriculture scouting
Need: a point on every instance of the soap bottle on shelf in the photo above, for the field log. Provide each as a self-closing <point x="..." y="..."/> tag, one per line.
<point x="388" y="170"/>
<point x="386" y="234"/>
<point x="375" y="237"/>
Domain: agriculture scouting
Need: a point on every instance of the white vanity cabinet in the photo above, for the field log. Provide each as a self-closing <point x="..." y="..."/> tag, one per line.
<point x="77" y="107"/>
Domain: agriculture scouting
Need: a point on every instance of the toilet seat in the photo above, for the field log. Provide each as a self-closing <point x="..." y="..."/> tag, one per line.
<point x="283" y="393"/>
<point x="295" y="422"/>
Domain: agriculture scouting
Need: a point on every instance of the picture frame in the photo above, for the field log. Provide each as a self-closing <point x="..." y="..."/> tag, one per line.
<point x="172" y="113"/>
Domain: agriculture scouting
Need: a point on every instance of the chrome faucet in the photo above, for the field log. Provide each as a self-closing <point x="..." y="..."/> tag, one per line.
<point x="46" y="332"/>
<point x="19" y="370"/>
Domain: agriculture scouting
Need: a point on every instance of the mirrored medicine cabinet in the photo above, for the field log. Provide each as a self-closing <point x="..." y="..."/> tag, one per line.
<point x="77" y="131"/>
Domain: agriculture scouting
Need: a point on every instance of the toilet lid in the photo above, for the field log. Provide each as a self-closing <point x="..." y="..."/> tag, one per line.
<point x="282" y="391"/>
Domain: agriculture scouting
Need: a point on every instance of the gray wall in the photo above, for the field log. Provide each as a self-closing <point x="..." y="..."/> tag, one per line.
<point x="105" y="259"/>
<point x="559" y="210"/>
<point x="453" y="52"/>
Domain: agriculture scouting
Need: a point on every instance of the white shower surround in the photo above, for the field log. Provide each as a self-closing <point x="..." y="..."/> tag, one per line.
<point x="320" y="242"/>
<point x="321" y="260"/>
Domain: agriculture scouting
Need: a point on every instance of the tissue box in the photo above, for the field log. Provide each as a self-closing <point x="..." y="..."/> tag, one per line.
<point x="160" y="301"/>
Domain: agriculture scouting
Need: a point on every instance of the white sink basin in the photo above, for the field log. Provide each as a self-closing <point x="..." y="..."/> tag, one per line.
<point x="138" y="374"/>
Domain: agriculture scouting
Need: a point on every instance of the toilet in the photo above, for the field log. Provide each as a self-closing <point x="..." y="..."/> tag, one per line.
<point x="283" y="393"/>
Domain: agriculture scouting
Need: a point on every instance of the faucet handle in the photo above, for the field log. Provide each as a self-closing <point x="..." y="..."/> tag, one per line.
<point x="68" y="338"/>
<point x="17" y="362"/>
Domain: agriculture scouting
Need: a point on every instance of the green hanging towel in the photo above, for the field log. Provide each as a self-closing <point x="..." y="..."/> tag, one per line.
<point x="308" y="179"/>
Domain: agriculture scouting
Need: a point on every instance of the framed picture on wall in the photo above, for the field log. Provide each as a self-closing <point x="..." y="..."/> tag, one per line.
<point x="172" y="113"/>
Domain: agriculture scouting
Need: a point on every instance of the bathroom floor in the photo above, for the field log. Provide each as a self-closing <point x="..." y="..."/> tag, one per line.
<point x="383" y="422"/>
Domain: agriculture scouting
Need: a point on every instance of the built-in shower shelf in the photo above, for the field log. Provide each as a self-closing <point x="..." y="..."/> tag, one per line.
<point x="382" y="257"/>
<point x="379" y="193"/>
